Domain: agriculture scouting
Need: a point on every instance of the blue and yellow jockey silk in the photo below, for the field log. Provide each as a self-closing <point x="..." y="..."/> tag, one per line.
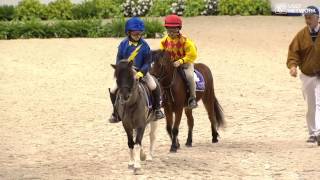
<point x="142" y="60"/>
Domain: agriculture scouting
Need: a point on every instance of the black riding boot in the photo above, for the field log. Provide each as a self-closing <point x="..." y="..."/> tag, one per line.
<point x="113" y="118"/>
<point x="192" y="102"/>
<point x="156" y="104"/>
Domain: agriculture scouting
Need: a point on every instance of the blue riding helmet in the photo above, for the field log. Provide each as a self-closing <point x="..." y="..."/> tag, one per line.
<point x="134" y="24"/>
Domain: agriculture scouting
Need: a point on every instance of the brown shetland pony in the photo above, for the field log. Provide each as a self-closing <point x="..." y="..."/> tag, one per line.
<point x="175" y="98"/>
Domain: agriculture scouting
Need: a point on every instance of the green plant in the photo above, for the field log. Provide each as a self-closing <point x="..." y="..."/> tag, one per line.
<point x="136" y="7"/>
<point x="107" y="8"/>
<point x="87" y="9"/>
<point x="81" y="28"/>
<point x="4" y="31"/>
<point x="59" y="9"/>
<point x="244" y="7"/>
<point x="193" y="7"/>
<point x="32" y="29"/>
<point x="97" y="9"/>
<point x="68" y="29"/>
<point x="177" y="7"/>
<point x="23" y="29"/>
<point x="153" y="28"/>
<point x="116" y="27"/>
<point x="6" y="13"/>
<point x="211" y="7"/>
<point x="29" y="9"/>
<point x="160" y="8"/>
<point x="263" y="7"/>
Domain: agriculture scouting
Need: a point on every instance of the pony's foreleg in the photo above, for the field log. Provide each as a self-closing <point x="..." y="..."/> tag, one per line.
<point x="188" y="113"/>
<point x="175" y="131"/>
<point x="137" y="151"/>
<point x="130" y="145"/>
<point x="131" y="160"/>
<point x="153" y="128"/>
<point x="169" y="120"/>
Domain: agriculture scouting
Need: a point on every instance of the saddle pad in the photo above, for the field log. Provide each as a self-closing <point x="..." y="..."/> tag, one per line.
<point x="147" y="95"/>
<point x="198" y="78"/>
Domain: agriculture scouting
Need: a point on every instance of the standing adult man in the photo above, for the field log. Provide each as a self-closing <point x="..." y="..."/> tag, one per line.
<point x="304" y="52"/>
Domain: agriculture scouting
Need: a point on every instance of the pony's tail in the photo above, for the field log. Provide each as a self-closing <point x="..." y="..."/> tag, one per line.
<point x="218" y="111"/>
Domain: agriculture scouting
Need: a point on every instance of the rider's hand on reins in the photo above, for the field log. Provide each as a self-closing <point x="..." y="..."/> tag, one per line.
<point x="176" y="63"/>
<point x="139" y="75"/>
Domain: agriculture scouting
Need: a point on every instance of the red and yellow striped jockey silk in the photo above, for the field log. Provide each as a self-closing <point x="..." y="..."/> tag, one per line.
<point x="181" y="48"/>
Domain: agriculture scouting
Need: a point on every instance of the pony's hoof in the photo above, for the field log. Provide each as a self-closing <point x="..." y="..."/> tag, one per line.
<point x="178" y="144"/>
<point x="149" y="158"/>
<point x="137" y="171"/>
<point x="173" y="149"/>
<point x="130" y="166"/>
<point x="189" y="144"/>
<point x="215" y="140"/>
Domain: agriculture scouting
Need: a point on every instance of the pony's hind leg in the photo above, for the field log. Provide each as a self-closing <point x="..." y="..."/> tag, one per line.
<point x="188" y="113"/>
<point x="169" y="120"/>
<point x="153" y="128"/>
<point x="209" y="105"/>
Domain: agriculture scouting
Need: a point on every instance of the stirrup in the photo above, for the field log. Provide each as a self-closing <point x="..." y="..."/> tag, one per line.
<point x="159" y="114"/>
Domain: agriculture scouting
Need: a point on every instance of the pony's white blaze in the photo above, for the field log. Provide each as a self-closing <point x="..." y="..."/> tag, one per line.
<point x="137" y="150"/>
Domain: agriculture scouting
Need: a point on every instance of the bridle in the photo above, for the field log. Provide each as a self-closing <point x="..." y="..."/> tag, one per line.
<point x="163" y="75"/>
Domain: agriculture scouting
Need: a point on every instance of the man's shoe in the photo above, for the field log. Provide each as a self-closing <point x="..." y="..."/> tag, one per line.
<point x="312" y="139"/>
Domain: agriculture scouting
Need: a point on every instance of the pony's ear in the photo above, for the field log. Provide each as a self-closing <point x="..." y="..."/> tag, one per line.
<point x="113" y="66"/>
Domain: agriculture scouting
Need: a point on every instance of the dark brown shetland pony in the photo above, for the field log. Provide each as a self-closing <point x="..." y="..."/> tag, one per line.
<point x="175" y="98"/>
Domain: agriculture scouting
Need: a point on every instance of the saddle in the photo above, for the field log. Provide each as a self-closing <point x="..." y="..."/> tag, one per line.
<point x="198" y="78"/>
<point x="147" y="94"/>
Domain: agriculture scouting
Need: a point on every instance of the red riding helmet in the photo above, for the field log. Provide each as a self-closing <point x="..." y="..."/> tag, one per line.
<point x="173" y="21"/>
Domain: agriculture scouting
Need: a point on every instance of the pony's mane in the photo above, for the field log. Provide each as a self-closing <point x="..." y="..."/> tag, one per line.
<point x="160" y="54"/>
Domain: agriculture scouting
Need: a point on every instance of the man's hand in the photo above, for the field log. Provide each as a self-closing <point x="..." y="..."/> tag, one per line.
<point x="293" y="71"/>
<point x="176" y="63"/>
